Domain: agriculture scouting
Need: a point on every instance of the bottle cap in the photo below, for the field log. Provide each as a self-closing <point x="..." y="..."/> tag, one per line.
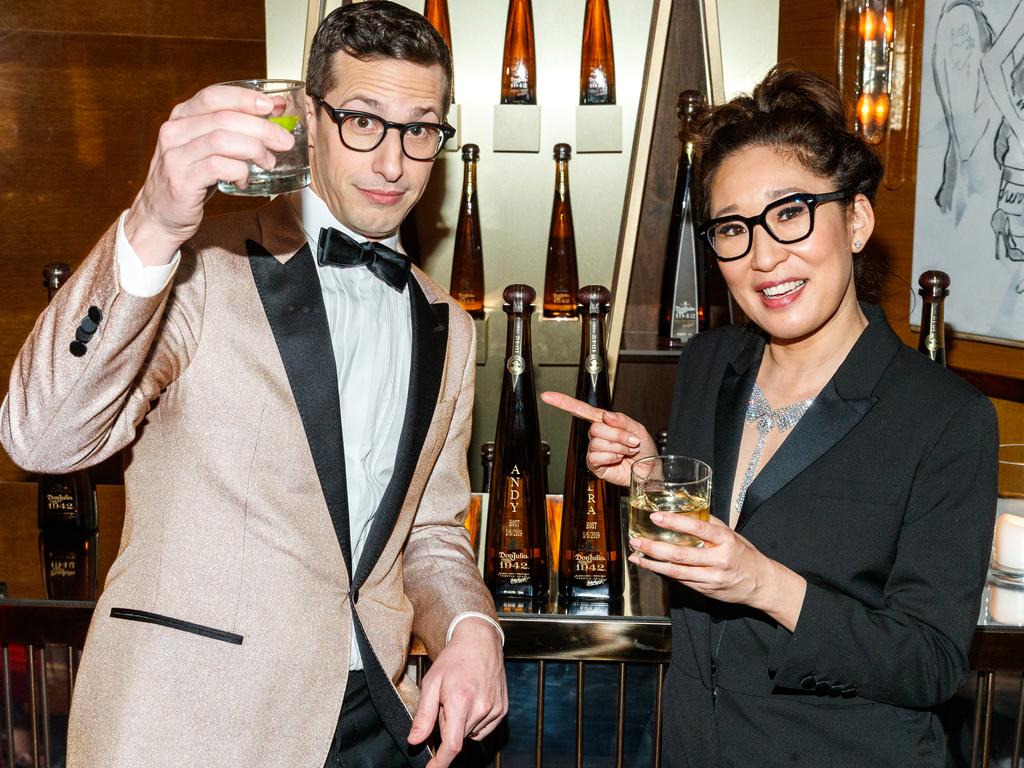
<point x="563" y="152"/>
<point x="689" y="109"/>
<point x="470" y="152"/>
<point x="594" y="298"/>
<point x="518" y="296"/>
<point x="934" y="283"/>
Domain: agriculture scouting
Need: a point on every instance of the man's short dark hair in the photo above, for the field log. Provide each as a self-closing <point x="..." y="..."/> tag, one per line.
<point x="377" y="29"/>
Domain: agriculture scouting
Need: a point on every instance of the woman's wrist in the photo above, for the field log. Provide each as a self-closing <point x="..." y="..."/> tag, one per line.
<point x="780" y="593"/>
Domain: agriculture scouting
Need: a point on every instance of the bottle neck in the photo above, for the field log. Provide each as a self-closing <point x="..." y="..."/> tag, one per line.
<point x="932" y="326"/>
<point x="518" y="358"/>
<point x="469" y="181"/>
<point x="562" y="180"/>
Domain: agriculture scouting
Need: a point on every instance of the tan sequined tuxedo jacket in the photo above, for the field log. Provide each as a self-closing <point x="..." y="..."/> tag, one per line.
<point x="222" y="634"/>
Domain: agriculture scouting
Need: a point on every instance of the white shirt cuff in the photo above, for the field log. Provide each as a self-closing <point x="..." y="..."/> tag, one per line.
<point x="133" y="276"/>
<point x="475" y="615"/>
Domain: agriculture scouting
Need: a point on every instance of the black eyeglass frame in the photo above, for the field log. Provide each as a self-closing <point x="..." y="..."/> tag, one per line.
<point x="812" y="201"/>
<point x="340" y="115"/>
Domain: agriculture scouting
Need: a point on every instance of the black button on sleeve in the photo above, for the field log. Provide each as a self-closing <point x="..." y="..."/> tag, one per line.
<point x="808" y="682"/>
<point x="95" y="314"/>
<point x="835" y="689"/>
<point x="822" y="686"/>
<point x="849" y="692"/>
<point x="88" y="325"/>
<point x="83" y="335"/>
<point x="77" y="348"/>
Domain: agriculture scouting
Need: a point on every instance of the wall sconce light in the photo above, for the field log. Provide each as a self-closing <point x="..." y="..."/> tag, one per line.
<point x="875" y="28"/>
<point x="874" y="64"/>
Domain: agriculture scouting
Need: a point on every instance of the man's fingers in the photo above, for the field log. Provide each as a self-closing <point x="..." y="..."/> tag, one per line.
<point x="452" y="734"/>
<point x="426" y="712"/>
<point x="178" y="132"/>
<point x="571" y="405"/>
<point x="232" y="97"/>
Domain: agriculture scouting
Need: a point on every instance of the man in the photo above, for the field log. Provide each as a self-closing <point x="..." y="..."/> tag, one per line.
<point x="295" y="438"/>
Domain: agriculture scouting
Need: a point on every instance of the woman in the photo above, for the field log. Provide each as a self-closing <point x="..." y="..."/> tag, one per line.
<point x="832" y="606"/>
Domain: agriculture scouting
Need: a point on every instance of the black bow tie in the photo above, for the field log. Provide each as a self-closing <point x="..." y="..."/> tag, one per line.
<point x="339" y="250"/>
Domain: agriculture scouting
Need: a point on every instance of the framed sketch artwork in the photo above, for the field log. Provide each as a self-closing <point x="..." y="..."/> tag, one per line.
<point x="969" y="213"/>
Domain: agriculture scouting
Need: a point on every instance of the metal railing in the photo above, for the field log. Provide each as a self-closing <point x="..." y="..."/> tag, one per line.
<point x="53" y="633"/>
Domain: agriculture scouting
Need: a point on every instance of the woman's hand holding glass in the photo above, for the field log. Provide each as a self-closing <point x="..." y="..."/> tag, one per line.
<point x="727" y="568"/>
<point x="616" y="441"/>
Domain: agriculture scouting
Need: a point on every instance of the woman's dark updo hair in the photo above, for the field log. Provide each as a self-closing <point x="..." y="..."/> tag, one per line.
<point x="793" y="111"/>
<point x="800" y="113"/>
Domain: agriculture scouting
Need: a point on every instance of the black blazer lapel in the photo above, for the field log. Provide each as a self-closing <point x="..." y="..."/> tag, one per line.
<point x="429" y="347"/>
<point x="293" y="302"/>
<point x="730" y="409"/>
<point x="836" y="410"/>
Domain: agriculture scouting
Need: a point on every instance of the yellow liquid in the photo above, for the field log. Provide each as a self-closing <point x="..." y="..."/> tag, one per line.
<point x="676" y="502"/>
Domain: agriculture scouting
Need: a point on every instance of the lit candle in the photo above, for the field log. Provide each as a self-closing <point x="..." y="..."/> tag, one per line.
<point x="1009" y="540"/>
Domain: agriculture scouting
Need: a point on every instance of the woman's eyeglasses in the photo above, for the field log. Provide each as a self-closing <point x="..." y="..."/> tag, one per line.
<point x="787" y="220"/>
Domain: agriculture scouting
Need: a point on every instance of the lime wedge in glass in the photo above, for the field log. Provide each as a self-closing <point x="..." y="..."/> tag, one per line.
<point x="288" y="122"/>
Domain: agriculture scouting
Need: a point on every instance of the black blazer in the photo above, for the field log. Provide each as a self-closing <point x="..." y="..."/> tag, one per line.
<point x="883" y="499"/>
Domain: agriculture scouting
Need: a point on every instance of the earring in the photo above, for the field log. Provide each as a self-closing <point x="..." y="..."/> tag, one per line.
<point x="857" y="244"/>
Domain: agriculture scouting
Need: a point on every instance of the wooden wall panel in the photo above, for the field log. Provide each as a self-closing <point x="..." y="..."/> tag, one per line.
<point x="807" y="38"/>
<point x="85" y="88"/>
<point x="147" y="18"/>
<point x="84" y="96"/>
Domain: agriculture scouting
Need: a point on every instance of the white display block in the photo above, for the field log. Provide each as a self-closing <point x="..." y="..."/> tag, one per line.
<point x="598" y="128"/>
<point x="455" y="121"/>
<point x="516" y="128"/>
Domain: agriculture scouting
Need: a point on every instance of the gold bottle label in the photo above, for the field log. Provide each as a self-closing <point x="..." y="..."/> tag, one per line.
<point x="513" y="562"/>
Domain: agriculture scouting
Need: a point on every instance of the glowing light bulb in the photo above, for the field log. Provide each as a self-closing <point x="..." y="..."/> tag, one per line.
<point x="865" y="107"/>
<point x="881" y="109"/>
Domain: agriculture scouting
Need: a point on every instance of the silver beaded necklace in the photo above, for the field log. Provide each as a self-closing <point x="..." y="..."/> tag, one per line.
<point x="760" y="411"/>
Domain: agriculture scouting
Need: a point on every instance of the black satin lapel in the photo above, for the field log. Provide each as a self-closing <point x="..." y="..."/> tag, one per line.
<point x="293" y="302"/>
<point x="429" y="346"/>
<point x="826" y="422"/>
<point x="729" y="412"/>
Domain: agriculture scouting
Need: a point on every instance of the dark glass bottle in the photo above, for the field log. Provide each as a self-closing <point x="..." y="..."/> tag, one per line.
<point x="545" y="454"/>
<point x="487" y="462"/>
<point x="467" y="285"/>
<point x="561" y="281"/>
<point x="597" y="64"/>
<point x="934" y="288"/>
<point x="436" y="12"/>
<point x="689" y="278"/>
<point x="519" y="61"/>
<point x="67" y="518"/>
<point x="590" y="562"/>
<point x="516" y="562"/>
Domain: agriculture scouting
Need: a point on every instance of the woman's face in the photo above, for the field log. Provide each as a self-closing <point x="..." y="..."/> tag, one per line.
<point x="791" y="291"/>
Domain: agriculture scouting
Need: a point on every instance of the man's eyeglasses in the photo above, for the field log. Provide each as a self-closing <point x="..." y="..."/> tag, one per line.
<point x="364" y="132"/>
<point x="788" y="220"/>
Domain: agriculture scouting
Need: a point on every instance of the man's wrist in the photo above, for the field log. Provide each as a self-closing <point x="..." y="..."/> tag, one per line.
<point x="153" y="247"/>
<point x="473" y="622"/>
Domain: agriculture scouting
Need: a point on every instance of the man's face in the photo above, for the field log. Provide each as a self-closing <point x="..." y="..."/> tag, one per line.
<point x="371" y="192"/>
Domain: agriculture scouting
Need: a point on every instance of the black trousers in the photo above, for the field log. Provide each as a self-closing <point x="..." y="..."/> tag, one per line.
<point x="361" y="740"/>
